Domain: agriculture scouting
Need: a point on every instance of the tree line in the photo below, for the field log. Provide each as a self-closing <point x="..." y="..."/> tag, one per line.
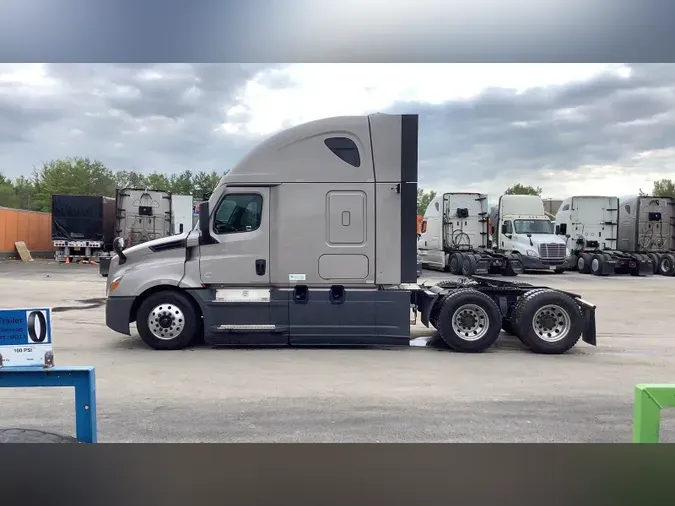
<point x="661" y="188"/>
<point x="83" y="176"/>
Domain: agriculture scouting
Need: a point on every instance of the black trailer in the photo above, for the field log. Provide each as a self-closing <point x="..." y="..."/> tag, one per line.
<point x="83" y="226"/>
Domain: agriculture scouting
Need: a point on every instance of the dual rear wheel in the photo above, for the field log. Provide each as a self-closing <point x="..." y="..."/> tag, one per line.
<point x="546" y="321"/>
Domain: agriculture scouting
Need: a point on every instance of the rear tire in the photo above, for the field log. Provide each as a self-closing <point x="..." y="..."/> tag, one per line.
<point x="584" y="263"/>
<point x="455" y="263"/>
<point x="168" y="320"/>
<point x="468" y="321"/>
<point x="655" y="262"/>
<point x="667" y="265"/>
<point x="548" y="322"/>
<point x="468" y="265"/>
<point x="597" y="265"/>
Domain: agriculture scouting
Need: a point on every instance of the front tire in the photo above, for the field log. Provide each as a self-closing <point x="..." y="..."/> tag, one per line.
<point x="168" y="320"/>
<point x="548" y="322"/>
<point x="469" y="321"/>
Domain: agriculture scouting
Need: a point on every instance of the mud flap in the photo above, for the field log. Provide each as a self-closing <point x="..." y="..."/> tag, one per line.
<point x="588" y="334"/>
<point x="608" y="268"/>
<point x="482" y="266"/>
<point x="645" y="267"/>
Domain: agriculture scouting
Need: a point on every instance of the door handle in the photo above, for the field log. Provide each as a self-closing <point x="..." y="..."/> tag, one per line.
<point x="260" y="267"/>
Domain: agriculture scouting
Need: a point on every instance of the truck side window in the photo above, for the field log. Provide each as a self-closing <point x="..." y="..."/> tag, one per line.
<point x="345" y="149"/>
<point x="238" y="212"/>
<point x="566" y="207"/>
<point x="509" y="227"/>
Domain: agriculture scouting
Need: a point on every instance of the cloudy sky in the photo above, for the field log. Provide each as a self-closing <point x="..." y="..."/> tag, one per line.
<point x="569" y="128"/>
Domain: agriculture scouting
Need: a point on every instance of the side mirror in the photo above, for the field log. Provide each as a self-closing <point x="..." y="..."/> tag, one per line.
<point x="204" y="219"/>
<point x="563" y="228"/>
<point x="557" y="230"/>
<point x="118" y="247"/>
<point x="505" y="230"/>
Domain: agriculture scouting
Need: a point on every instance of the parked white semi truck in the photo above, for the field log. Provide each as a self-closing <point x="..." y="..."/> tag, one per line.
<point x="590" y="227"/>
<point x="454" y="237"/>
<point x="519" y="226"/>
<point x="647" y="227"/>
<point x="311" y="240"/>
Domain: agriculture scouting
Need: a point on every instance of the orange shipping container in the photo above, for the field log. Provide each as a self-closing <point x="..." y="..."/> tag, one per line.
<point x="32" y="227"/>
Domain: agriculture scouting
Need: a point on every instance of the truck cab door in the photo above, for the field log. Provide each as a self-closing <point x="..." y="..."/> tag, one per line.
<point x="506" y="236"/>
<point x="239" y="254"/>
<point x="234" y="266"/>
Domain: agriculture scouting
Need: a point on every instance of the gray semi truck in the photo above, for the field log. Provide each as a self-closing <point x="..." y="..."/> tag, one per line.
<point x="311" y="240"/>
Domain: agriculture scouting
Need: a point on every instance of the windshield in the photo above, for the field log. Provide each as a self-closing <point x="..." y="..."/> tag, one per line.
<point x="533" y="226"/>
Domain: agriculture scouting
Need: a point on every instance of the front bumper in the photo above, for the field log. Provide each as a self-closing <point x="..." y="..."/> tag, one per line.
<point x="117" y="313"/>
<point x="536" y="263"/>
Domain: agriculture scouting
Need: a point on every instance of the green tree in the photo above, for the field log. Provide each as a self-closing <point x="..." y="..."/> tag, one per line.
<point x="73" y="176"/>
<point x="181" y="184"/>
<point x="130" y="179"/>
<point x="158" y="181"/>
<point x="664" y="188"/>
<point x="204" y="183"/>
<point x="7" y="193"/>
<point x="423" y="200"/>
<point x="520" y="189"/>
<point x="24" y="190"/>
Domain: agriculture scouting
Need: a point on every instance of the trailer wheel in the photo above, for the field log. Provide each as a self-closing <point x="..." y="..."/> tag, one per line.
<point x="597" y="264"/>
<point x="667" y="264"/>
<point x="655" y="261"/>
<point x="548" y="321"/>
<point x="455" y="263"/>
<point x="168" y="320"/>
<point x="584" y="263"/>
<point x="469" y="321"/>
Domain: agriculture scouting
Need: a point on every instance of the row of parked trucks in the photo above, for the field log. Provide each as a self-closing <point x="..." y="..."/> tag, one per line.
<point x="590" y="234"/>
<point x="84" y="226"/>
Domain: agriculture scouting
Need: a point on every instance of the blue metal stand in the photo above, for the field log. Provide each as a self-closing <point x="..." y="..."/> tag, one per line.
<point x="82" y="379"/>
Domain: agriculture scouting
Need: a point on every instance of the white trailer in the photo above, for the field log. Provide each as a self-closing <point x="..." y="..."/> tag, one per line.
<point x="182" y="213"/>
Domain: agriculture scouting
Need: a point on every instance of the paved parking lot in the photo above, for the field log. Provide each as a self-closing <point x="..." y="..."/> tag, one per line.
<point x="420" y="394"/>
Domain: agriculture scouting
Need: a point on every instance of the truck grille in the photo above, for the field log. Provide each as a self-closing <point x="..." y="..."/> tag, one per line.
<point x="552" y="251"/>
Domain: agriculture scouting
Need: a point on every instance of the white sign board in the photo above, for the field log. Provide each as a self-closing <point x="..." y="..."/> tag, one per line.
<point x="25" y="337"/>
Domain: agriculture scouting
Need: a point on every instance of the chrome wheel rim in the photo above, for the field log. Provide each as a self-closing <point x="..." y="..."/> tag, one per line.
<point x="166" y="321"/>
<point x="551" y="323"/>
<point x="580" y="264"/>
<point x="470" y="322"/>
<point x="595" y="264"/>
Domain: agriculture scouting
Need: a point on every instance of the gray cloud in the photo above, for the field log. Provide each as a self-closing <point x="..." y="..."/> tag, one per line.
<point x="121" y="116"/>
<point x="603" y="121"/>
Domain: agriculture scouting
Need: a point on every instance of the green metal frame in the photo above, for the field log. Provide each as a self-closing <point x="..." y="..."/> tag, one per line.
<point x="649" y="401"/>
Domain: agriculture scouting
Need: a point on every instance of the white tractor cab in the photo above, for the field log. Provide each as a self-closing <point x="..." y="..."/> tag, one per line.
<point x="520" y="226"/>
<point x="310" y="240"/>
<point x="590" y="226"/>
<point x="455" y="237"/>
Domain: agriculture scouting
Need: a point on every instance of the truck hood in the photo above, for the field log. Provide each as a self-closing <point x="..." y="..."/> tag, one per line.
<point x="156" y="246"/>
<point x="545" y="239"/>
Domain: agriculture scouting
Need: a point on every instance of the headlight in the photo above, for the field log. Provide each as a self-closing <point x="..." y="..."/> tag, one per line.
<point x="532" y="253"/>
<point x="567" y="252"/>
